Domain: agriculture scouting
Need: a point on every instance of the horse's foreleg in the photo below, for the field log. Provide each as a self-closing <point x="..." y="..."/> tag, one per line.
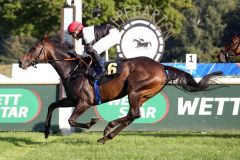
<point x="61" y="103"/>
<point x="81" y="107"/>
<point x="134" y="113"/>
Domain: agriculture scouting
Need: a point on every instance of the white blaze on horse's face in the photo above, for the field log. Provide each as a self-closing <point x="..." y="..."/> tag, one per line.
<point x="31" y="58"/>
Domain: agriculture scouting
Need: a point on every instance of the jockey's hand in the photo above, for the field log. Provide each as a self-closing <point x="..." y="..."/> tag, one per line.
<point x="89" y="48"/>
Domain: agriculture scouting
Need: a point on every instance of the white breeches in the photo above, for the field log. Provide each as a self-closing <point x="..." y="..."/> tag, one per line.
<point x="108" y="41"/>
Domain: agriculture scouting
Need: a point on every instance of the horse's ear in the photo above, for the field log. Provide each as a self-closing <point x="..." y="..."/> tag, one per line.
<point x="46" y="35"/>
<point x="45" y="38"/>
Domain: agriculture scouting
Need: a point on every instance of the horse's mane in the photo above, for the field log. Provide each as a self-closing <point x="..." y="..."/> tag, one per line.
<point x="68" y="48"/>
<point x="65" y="46"/>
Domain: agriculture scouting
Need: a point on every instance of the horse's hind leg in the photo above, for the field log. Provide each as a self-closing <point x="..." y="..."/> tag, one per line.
<point x="112" y="134"/>
<point x="134" y="113"/>
<point x="136" y="100"/>
<point x="114" y="123"/>
<point x="115" y="132"/>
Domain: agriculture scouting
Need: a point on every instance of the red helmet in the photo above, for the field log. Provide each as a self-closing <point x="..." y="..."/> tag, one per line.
<point x="75" y="26"/>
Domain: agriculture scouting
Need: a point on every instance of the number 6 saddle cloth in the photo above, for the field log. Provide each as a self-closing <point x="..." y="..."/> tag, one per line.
<point x="113" y="69"/>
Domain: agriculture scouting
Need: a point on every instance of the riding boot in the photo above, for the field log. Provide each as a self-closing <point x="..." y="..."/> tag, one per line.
<point x="100" y="64"/>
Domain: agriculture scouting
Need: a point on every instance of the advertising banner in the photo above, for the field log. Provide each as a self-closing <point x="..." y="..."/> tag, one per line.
<point x="24" y="107"/>
<point x="175" y="109"/>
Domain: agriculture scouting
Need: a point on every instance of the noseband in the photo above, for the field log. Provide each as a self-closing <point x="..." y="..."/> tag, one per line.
<point x="36" y="61"/>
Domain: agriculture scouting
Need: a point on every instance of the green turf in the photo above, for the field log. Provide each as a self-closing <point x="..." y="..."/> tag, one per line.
<point x="126" y="146"/>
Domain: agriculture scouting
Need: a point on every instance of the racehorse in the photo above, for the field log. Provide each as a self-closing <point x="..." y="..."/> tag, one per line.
<point x="231" y="50"/>
<point x="141" y="43"/>
<point x="141" y="78"/>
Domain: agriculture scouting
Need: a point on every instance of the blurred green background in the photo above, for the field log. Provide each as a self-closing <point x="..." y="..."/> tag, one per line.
<point x="200" y="27"/>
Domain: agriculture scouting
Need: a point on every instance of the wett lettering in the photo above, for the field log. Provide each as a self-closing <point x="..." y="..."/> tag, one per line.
<point x="206" y="105"/>
<point x="5" y="98"/>
<point x="9" y="106"/>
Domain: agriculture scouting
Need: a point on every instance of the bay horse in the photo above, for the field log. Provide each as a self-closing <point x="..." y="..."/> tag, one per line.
<point x="231" y="50"/>
<point x="141" y="78"/>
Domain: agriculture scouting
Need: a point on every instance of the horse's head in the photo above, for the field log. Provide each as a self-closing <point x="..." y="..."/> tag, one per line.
<point x="231" y="50"/>
<point x="38" y="53"/>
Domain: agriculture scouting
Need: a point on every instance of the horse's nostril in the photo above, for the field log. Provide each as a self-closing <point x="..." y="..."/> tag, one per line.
<point x="20" y="63"/>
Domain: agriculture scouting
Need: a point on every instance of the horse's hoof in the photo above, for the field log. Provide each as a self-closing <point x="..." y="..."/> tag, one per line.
<point x="46" y="135"/>
<point x="95" y="119"/>
<point x="101" y="140"/>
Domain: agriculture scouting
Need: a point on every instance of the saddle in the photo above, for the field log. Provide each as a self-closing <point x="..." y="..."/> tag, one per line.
<point x="113" y="68"/>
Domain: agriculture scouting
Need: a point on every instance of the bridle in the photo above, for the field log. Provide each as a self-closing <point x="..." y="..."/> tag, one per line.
<point x="36" y="61"/>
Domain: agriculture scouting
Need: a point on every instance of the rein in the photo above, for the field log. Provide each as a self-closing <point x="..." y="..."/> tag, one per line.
<point x="67" y="59"/>
<point x="35" y="62"/>
<point x="42" y="51"/>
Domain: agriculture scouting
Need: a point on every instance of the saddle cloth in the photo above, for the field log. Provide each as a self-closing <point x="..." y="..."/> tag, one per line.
<point x="113" y="68"/>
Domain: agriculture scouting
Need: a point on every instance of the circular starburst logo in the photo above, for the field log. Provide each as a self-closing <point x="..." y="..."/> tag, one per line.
<point x="141" y="37"/>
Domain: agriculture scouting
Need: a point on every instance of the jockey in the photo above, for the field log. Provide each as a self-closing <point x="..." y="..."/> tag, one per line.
<point x="96" y="39"/>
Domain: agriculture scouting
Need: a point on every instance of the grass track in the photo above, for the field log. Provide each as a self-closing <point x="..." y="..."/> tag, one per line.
<point x="128" y="145"/>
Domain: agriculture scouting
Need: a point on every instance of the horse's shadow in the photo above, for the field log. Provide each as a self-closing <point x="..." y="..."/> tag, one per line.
<point x="179" y="134"/>
<point x="39" y="127"/>
<point x="20" y="142"/>
<point x="23" y="142"/>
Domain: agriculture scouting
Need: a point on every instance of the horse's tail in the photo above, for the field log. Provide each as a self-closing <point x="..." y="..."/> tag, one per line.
<point x="186" y="80"/>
